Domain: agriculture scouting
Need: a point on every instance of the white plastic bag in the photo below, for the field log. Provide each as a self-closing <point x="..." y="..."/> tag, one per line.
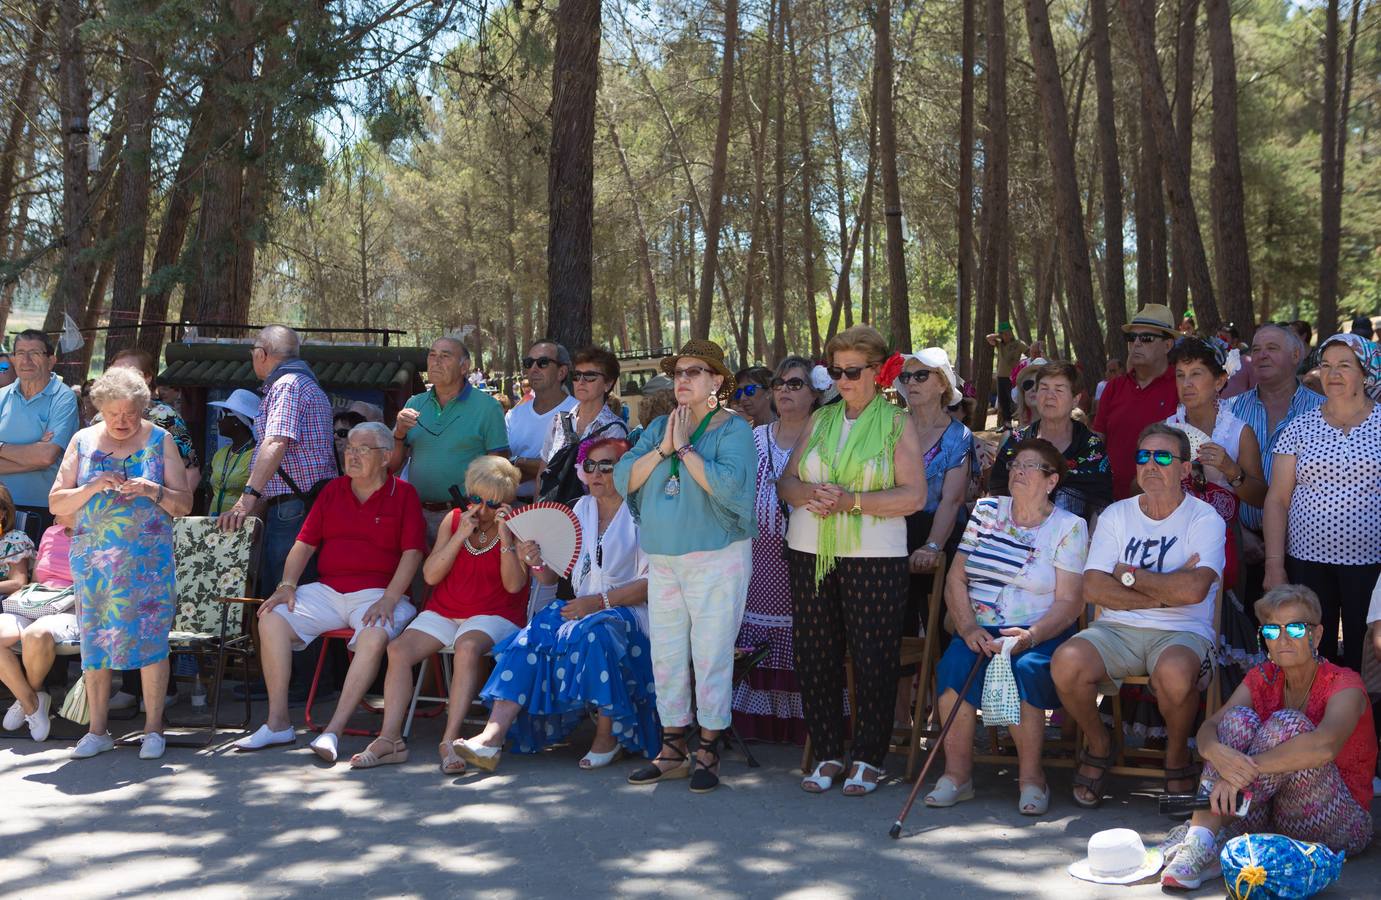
<point x="1001" y="701"/>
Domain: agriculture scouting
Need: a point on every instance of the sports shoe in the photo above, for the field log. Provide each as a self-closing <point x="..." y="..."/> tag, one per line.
<point x="1195" y="862"/>
<point x="152" y="746"/>
<point x="92" y="744"/>
<point x="122" y="700"/>
<point x="266" y="737"/>
<point x="1173" y="841"/>
<point x="14" y="716"/>
<point x="39" y="722"/>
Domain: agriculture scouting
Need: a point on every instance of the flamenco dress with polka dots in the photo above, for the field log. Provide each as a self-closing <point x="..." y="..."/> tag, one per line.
<point x="558" y="670"/>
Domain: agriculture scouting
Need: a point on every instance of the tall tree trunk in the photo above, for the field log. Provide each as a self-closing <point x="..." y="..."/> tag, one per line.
<point x="1231" y="255"/>
<point x="571" y="174"/>
<point x="899" y="305"/>
<point x="1114" y="266"/>
<point x="719" y="171"/>
<point x="74" y="106"/>
<point x="843" y="292"/>
<point x="1082" y="326"/>
<point x="865" y="279"/>
<point x="807" y="194"/>
<point x="1174" y="168"/>
<point x="1330" y="202"/>
<point x="757" y="247"/>
<point x="779" y="207"/>
<point x="995" y="215"/>
<point x="843" y="299"/>
<point x="23" y="113"/>
<point x="1150" y="227"/>
<point x="131" y="219"/>
<point x="1185" y="41"/>
<point x="644" y="253"/>
<point x="965" y="198"/>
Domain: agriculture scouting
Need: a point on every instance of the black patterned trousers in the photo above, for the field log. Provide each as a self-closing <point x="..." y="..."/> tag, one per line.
<point x="857" y="608"/>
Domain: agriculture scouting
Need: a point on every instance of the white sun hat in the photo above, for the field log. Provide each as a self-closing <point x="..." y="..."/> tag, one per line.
<point x="1117" y="856"/>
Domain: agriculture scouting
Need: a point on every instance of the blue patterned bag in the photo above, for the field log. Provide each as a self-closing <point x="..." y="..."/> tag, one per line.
<point x="1275" y="867"/>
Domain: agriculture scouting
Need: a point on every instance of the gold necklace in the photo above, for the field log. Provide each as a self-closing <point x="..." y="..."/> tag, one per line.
<point x="1309" y="687"/>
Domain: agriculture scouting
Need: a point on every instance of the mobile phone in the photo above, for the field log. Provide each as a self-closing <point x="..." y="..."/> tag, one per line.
<point x="458" y="499"/>
<point x="1179" y="804"/>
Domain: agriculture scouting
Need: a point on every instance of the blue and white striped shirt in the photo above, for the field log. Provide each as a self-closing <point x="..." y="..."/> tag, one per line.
<point x="1249" y="408"/>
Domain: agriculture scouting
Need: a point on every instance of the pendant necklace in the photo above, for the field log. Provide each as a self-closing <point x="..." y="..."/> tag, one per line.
<point x="673" y="487"/>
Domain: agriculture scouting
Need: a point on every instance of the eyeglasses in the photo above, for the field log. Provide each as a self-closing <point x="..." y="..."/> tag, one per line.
<point x="540" y="362"/>
<point x="1162" y="457"/>
<point x="920" y="377"/>
<point x="747" y="390"/>
<point x="602" y="466"/>
<point x="492" y="504"/>
<point x="1295" y="630"/>
<point x="689" y="373"/>
<point x="342" y="432"/>
<point x="1031" y="467"/>
<point x="587" y="376"/>
<point x="852" y="373"/>
<point x="788" y="384"/>
<point x="357" y="450"/>
<point x="1142" y="337"/>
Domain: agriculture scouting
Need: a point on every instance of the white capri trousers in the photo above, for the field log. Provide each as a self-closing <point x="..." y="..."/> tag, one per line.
<point x="694" y="606"/>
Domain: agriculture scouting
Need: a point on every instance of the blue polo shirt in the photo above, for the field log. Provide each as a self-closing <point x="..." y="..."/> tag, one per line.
<point x="24" y="421"/>
<point x="445" y="441"/>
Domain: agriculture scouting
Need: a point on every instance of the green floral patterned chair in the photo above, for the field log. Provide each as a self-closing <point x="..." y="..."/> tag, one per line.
<point x="214" y="573"/>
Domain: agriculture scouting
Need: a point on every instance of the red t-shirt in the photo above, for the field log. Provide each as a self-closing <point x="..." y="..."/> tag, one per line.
<point x="359" y="544"/>
<point x="474" y="587"/>
<point x="1123" y="411"/>
<point x="1357" y="759"/>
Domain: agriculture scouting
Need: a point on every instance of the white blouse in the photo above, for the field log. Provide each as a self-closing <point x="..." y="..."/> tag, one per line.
<point x="1227" y="433"/>
<point x="623" y="559"/>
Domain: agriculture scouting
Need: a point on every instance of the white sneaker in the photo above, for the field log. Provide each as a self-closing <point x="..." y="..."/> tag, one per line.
<point x="153" y="746"/>
<point x="1195" y="862"/>
<point x="92" y="744"/>
<point x="266" y="737"/>
<point x="122" y="700"/>
<point x="14" y="716"/>
<point x="39" y="722"/>
<point x="326" y="745"/>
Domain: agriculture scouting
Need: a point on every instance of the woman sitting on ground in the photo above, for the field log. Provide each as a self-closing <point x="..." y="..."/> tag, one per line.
<point x="591" y="651"/>
<point x="1018" y="573"/>
<point x="479" y="598"/>
<point x="1297" y="733"/>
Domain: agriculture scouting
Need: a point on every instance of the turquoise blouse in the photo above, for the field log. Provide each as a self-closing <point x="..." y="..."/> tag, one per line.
<point x="693" y="520"/>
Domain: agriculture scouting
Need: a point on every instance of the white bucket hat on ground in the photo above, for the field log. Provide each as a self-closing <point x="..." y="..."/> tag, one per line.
<point x="1117" y="856"/>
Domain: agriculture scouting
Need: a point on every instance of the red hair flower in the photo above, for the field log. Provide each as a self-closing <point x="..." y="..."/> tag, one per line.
<point x="889" y="370"/>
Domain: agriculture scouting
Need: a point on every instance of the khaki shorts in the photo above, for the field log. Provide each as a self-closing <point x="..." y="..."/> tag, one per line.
<point x="1128" y="650"/>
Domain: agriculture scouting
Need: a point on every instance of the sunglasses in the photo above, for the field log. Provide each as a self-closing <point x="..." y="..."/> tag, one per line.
<point x="341" y="432"/>
<point x="492" y="504"/>
<point x="852" y="373"/>
<point x="4" y="367"/>
<point x="1028" y="384"/>
<point x="602" y="466"/>
<point x="1295" y="630"/>
<point x="540" y="362"/>
<point x="587" y="376"/>
<point x="920" y="377"/>
<point x="748" y="390"/>
<point x="689" y="372"/>
<point x="790" y="384"/>
<point x="1142" y="337"/>
<point x="1162" y="457"/>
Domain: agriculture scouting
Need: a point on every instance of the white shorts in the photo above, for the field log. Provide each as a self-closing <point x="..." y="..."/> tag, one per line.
<point x="448" y="631"/>
<point x="62" y="626"/>
<point x="320" y="608"/>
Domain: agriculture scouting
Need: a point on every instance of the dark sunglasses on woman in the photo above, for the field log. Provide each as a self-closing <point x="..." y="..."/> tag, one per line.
<point x="492" y="504"/>
<point x="342" y="432"/>
<point x="602" y="466"/>
<point x="790" y="384"/>
<point x="920" y="377"/>
<point x="587" y="376"/>
<point x="1162" y="457"/>
<point x="1295" y="630"/>
<point x="747" y="390"/>
<point x="852" y="373"/>
<point x="1028" y="384"/>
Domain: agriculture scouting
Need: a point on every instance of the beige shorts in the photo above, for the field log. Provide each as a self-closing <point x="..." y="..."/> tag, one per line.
<point x="62" y="626"/>
<point x="448" y="630"/>
<point x="1128" y="650"/>
<point x="318" y="608"/>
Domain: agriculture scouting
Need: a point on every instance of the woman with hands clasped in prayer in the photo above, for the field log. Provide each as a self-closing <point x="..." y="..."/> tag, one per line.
<point x="587" y="652"/>
<point x="1018" y="574"/>
<point x="479" y="597"/>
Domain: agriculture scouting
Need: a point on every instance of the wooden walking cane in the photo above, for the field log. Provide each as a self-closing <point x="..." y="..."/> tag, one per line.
<point x="895" y="831"/>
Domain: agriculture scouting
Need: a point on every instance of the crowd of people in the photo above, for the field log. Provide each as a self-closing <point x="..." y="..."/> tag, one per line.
<point x="801" y="512"/>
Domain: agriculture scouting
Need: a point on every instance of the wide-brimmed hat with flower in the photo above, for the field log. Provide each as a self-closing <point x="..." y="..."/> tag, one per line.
<point x="708" y="352"/>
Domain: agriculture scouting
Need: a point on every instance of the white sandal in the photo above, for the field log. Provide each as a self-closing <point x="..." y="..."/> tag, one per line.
<point x="1035" y="801"/>
<point x="817" y="782"/>
<point x="856" y="780"/>
<point x="946" y="793"/>
<point x="593" y="760"/>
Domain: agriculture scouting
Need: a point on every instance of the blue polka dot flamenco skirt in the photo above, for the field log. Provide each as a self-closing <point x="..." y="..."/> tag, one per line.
<point x="558" y="670"/>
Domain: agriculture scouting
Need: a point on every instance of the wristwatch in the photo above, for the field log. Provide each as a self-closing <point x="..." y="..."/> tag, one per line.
<point x="931" y="546"/>
<point x="1129" y="579"/>
<point x="1241" y="477"/>
<point x="858" y="505"/>
<point x="252" y="491"/>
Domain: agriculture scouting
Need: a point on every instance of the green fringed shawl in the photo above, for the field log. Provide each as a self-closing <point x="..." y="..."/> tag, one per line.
<point x="873" y="438"/>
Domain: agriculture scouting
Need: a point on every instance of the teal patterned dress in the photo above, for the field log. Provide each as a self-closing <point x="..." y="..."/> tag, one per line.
<point x="122" y="562"/>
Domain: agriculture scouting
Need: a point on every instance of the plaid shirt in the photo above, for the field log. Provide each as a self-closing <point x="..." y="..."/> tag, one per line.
<point x="298" y="409"/>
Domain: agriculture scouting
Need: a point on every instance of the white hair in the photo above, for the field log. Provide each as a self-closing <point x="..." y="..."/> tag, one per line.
<point x="1291" y="339"/>
<point x="280" y="341"/>
<point x="383" y="435"/>
<point x="117" y="384"/>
